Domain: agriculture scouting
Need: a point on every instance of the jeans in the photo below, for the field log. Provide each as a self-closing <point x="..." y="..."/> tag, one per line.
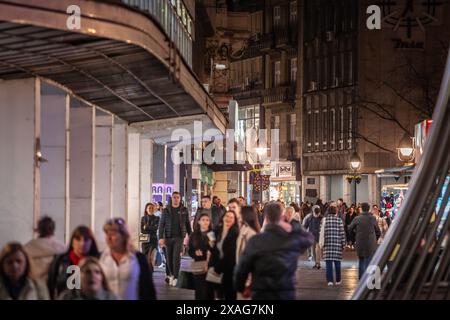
<point x="316" y="252"/>
<point x="203" y="290"/>
<point x="173" y="255"/>
<point x="363" y="264"/>
<point x="337" y="266"/>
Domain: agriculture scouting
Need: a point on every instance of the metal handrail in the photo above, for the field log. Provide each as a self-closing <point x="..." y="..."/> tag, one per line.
<point x="413" y="258"/>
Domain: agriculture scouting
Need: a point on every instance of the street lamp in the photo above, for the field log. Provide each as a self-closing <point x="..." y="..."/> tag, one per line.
<point x="406" y="150"/>
<point x="355" y="165"/>
<point x="355" y="161"/>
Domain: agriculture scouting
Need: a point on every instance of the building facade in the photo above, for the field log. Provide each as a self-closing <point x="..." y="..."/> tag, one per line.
<point x="364" y="89"/>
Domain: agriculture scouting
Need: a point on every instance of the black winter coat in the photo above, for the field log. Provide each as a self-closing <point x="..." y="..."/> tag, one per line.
<point x="226" y="263"/>
<point x="165" y="223"/>
<point x="271" y="257"/>
<point x="198" y="241"/>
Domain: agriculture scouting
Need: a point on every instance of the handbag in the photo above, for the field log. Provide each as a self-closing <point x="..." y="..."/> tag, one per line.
<point x="144" y="237"/>
<point x="214" y="277"/>
<point x="199" y="267"/>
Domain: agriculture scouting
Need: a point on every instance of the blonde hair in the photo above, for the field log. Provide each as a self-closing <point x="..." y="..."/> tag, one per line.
<point x="92" y="260"/>
<point x="119" y="225"/>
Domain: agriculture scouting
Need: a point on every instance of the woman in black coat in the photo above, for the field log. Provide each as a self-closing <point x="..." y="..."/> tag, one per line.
<point x="199" y="249"/>
<point x="82" y="244"/>
<point x="149" y="225"/>
<point x="223" y="253"/>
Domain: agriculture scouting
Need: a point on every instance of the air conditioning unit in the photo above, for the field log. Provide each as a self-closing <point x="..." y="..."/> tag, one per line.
<point x="330" y="36"/>
<point x="313" y="86"/>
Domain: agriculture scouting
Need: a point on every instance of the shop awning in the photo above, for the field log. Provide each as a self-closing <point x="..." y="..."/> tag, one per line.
<point x="405" y="171"/>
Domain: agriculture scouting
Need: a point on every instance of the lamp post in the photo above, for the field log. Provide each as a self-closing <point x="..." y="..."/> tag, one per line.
<point x="355" y="165"/>
<point x="406" y="150"/>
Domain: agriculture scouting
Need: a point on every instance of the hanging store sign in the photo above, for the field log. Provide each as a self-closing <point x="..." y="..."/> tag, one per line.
<point x="285" y="169"/>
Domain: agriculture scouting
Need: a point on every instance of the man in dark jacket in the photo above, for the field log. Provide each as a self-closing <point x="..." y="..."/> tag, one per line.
<point x="218" y="206"/>
<point x="367" y="234"/>
<point x="173" y="227"/>
<point x="312" y="224"/>
<point x="271" y="257"/>
<point x="213" y="212"/>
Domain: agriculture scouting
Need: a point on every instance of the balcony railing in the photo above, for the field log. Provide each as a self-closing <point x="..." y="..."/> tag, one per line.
<point x="176" y="29"/>
<point x="278" y="95"/>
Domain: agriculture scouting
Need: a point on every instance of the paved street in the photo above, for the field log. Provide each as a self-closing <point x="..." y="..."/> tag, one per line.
<point x="311" y="283"/>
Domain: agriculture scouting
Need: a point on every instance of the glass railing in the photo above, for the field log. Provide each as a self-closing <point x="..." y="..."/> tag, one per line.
<point x="174" y="19"/>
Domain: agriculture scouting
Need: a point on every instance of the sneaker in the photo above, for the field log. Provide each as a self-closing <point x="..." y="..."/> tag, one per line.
<point x="170" y="280"/>
<point x="338" y="283"/>
<point x="162" y="265"/>
<point x="310" y="258"/>
<point x="174" y="282"/>
<point x="167" y="280"/>
<point x="330" y="284"/>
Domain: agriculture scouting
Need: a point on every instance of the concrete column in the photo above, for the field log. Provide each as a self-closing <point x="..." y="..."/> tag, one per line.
<point x="146" y="152"/>
<point x="103" y="174"/>
<point x="133" y="185"/>
<point x="82" y="165"/>
<point x="119" y="165"/>
<point x="176" y="176"/>
<point x="19" y="128"/>
<point x="373" y="189"/>
<point x="54" y="173"/>
<point x="220" y="186"/>
<point x="323" y="188"/>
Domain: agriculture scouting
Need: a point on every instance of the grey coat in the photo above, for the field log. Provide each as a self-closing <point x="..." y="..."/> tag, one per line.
<point x="367" y="234"/>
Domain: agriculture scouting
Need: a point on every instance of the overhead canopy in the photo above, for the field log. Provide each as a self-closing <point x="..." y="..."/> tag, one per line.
<point x="405" y="171"/>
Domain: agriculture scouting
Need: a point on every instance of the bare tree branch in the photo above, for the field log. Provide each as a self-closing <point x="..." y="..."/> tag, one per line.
<point x="408" y="101"/>
<point x="357" y="135"/>
<point x="386" y="114"/>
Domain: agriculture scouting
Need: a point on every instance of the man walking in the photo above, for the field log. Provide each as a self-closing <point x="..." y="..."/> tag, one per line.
<point x="367" y="234"/>
<point x="271" y="257"/>
<point x="217" y="205"/>
<point x="173" y="226"/>
<point x="213" y="212"/>
<point x="312" y="224"/>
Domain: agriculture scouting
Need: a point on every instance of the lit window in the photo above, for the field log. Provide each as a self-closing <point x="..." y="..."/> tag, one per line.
<point x="276" y="16"/>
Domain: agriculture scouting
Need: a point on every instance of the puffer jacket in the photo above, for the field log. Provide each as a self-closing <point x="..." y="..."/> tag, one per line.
<point x="165" y="223"/>
<point x="271" y="257"/>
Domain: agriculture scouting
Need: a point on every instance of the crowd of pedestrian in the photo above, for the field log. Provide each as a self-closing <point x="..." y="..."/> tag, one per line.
<point x="238" y="252"/>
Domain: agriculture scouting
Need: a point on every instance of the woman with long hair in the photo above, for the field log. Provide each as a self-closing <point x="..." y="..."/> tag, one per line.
<point x="16" y="277"/>
<point x="223" y="253"/>
<point x="149" y="225"/>
<point x="127" y="270"/>
<point x="94" y="285"/>
<point x="351" y="214"/>
<point x="82" y="244"/>
<point x="249" y="227"/>
<point x="199" y="249"/>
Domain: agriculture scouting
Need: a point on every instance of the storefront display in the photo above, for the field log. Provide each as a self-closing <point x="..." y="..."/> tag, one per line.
<point x="392" y="197"/>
